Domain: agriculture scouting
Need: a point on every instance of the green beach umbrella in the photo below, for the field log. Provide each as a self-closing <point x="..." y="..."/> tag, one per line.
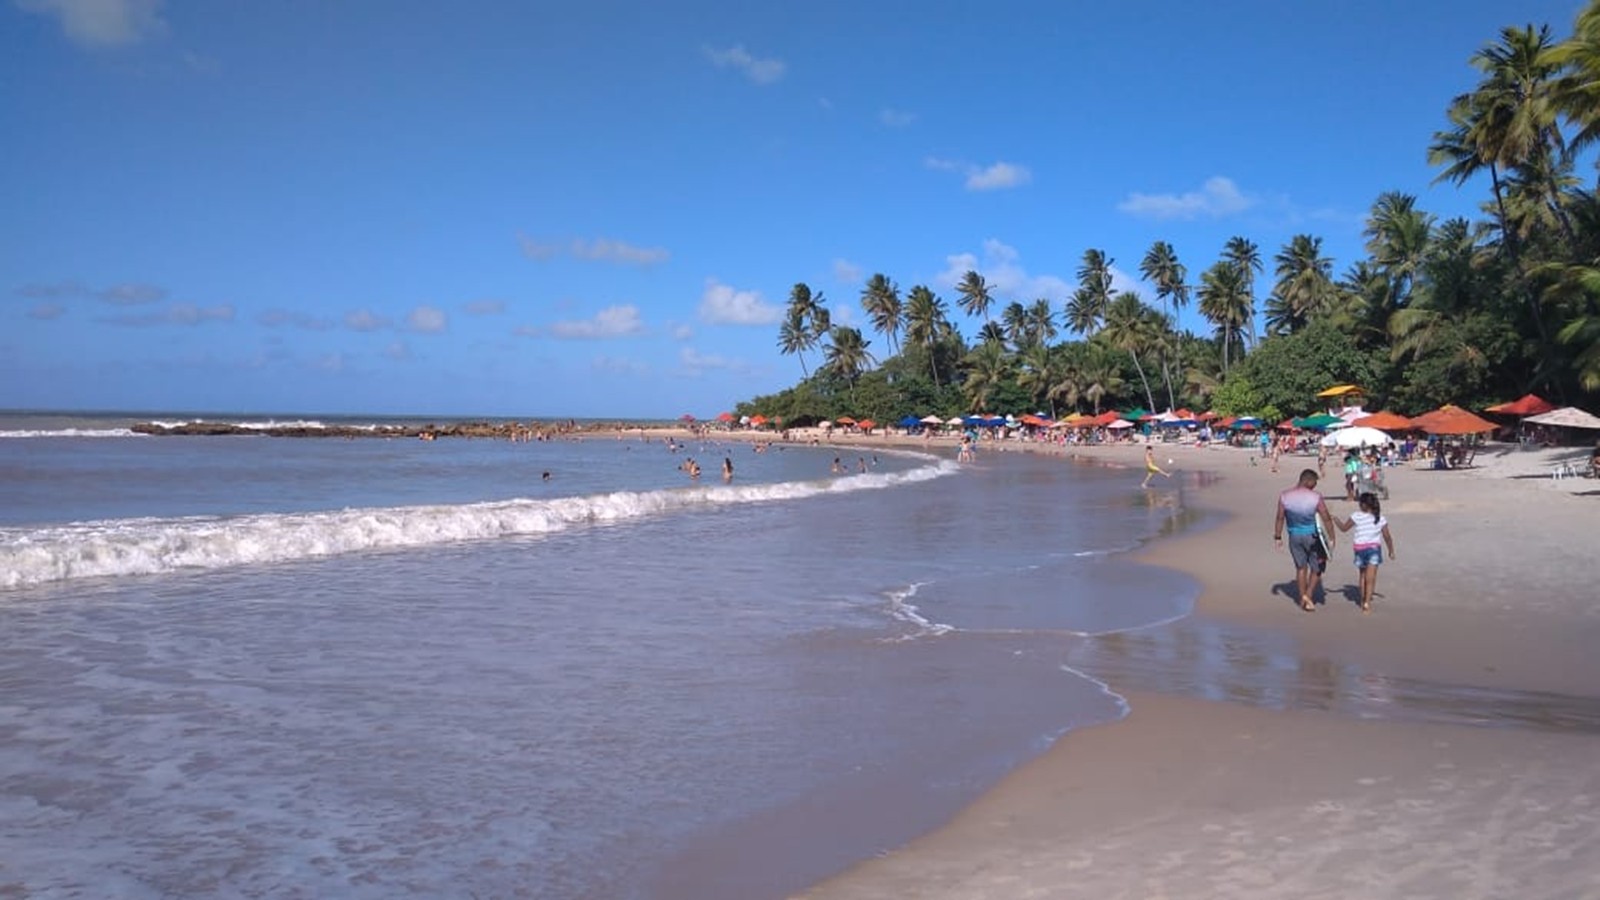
<point x="1135" y="414"/>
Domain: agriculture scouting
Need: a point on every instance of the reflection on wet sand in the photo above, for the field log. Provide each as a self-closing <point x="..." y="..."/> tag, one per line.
<point x="1216" y="661"/>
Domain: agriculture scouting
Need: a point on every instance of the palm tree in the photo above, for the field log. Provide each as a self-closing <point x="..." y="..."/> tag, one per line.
<point x="1100" y="376"/>
<point x="794" y="337"/>
<point x="1397" y="236"/>
<point x="847" y="356"/>
<point x="992" y="333"/>
<point x="881" y="301"/>
<point x="1246" y="256"/>
<point x="1041" y="322"/>
<point x="1128" y="328"/>
<point x="1041" y="371"/>
<point x="1576" y="91"/>
<point x="1014" y="318"/>
<point x="1225" y="303"/>
<point x="1161" y="268"/>
<point x="974" y="291"/>
<point x="927" y="323"/>
<point x="988" y="367"/>
<point x="1088" y="304"/>
<point x="1305" y="285"/>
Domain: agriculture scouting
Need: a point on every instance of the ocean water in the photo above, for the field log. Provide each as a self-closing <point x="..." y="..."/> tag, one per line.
<point x="279" y="667"/>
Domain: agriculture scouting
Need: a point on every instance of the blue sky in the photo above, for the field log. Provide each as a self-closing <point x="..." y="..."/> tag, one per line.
<point x="543" y="209"/>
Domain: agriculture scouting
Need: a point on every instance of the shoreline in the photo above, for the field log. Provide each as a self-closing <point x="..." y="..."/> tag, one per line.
<point x="1484" y="598"/>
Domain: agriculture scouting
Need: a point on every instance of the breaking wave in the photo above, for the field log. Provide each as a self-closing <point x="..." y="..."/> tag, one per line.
<point x="145" y="546"/>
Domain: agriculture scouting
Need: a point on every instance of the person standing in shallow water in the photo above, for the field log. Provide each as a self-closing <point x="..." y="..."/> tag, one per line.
<point x="1150" y="467"/>
<point x="1370" y="526"/>
<point x="1299" y="508"/>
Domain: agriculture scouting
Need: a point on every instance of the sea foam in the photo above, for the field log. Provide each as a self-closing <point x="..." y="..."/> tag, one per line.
<point x="146" y="546"/>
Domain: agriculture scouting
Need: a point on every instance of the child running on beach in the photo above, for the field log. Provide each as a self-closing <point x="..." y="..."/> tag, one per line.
<point x="1371" y="527"/>
<point x="1150" y="467"/>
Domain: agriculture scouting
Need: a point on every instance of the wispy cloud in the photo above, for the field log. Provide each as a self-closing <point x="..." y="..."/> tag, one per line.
<point x="399" y="351"/>
<point x="846" y="272"/>
<point x="280" y="318"/>
<point x="365" y="320"/>
<point x="612" y="322"/>
<point x="129" y="293"/>
<point x="102" y="23"/>
<point x="176" y="314"/>
<point x="426" y="320"/>
<point x="1217" y="197"/>
<point x="757" y="69"/>
<point x="895" y="118"/>
<point x="996" y="176"/>
<point x="681" y="331"/>
<point x="1001" y="266"/>
<point x="722" y="304"/>
<point x="596" y="250"/>
<point x="46" y="311"/>
<point x="617" y="365"/>
<point x="693" y="362"/>
<point x="484" y="308"/>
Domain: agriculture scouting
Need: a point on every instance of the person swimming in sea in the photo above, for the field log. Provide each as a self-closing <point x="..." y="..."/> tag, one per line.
<point x="727" y="468"/>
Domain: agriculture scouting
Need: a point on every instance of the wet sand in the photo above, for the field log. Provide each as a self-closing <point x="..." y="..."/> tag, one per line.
<point x="1442" y="746"/>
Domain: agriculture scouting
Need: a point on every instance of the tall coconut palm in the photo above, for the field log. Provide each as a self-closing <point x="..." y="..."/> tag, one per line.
<point x="1100" y="376"/>
<point x="805" y="321"/>
<point x="1094" y="291"/>
<point x="1246" y="256"/>
<point x="1014" y="318"/>
<point x="1397" y="236"/>
<point x="992" y="333"/>
<point x="1041" y="319"/>
<point x="1304" y="287"/>
<point x="1576" y="91"/>
<point x="795" y="337"/>
<point x="847" y="356"/>
<point x="1161" y="268"/>
<point x="927" y="323"/>
<point x="1128" y="328"/>
<point x="881" y="301"/>
<point x="974" y="291"/>
<point x="1226" y="305"/>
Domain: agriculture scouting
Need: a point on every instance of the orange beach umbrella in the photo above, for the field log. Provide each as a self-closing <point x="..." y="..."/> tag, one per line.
<point x="1384" y="421"/>
<point x="1450" y="419"/>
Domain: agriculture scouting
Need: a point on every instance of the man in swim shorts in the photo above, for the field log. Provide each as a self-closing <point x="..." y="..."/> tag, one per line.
<point x="1298" y="510"/>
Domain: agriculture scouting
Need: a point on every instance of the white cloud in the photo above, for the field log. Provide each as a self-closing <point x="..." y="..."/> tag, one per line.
<point x="1218" y="197"/>
<point x="694" y="362"/>
<point x="399" y="351"/>
<point x="485" y="308"/>
<point x="723" y="305"/>
<point x="997" y="176"/>
<point x="102" y="23"/>
<point x="617" y="365"/>
<point x="758" y="70"/>
<point x="365" y="320"/>
<point x="895" y="118"/>
<point x="47" y="310"/>
<point x="274" y="318"/>
<point x="176" y="314"/>
<point x="426" y="320"/>
<point x="611" y="322"/>
<point x="130" y="294"/>
<point x="599" y="249"/>
<point x="682" y="332"/>
<point x="330" y="362"/>
<point x="846" y="272"/>
<point x="1122" y="281"/>
<point x="1001" y="267"/>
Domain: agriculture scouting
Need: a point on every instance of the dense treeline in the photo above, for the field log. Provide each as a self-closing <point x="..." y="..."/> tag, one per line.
<point x="1437" y="311"/>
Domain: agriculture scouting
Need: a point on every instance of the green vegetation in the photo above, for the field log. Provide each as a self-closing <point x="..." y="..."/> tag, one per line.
<point x="1453" y="311"/>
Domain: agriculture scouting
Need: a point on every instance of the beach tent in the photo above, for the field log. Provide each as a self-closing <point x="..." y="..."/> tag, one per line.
<point x="1383" y="421"/>
<point x="1526" y="405"/>
<point x="1566" y="417"/>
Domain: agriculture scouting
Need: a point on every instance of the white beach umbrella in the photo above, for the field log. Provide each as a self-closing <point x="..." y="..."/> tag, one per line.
<point x="1356" y="436"/>
<point x="955" y="420"/>
<point x="1566" y="417"/>
<point x="932" y="420"/>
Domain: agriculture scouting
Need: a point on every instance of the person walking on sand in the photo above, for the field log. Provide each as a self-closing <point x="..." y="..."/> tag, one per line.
<point x="1370" y="527"/>
<point x="1299" y="508"/>
<point x="1150" y="467"/>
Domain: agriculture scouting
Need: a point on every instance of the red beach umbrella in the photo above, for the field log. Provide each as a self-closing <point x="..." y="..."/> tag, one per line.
<point x="1526" y="405"/>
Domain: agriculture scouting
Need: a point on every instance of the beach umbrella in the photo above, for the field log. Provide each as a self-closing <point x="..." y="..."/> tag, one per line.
<point x="725" y="417"/>
<point x="1341" y="390"/>
<point x="910" y="422"/>
<point x="758" y="420"/>
<point x="1383" y="421"/>
<point x="1319" y="421"/>
<point x="866" y="424"/>
<point x="931" y="420"/>
<point x="845" y="420"/>
<point x="1119" y="424"/>
<point x="1135" y="414"/>
<point x="1526" y="405"/>
<point x="1566" y="417"/>
<point x="955" y="420"/>
<point x="1452" y="420"/>
<point x="686" y="418"/>
<point x="1356" y="436"/>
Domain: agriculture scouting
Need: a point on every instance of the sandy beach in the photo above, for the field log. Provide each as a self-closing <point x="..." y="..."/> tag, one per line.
<point x="1477" y="779"/>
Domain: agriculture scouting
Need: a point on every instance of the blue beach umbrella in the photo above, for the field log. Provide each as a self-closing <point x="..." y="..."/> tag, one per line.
<point x="910" y="422"/>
